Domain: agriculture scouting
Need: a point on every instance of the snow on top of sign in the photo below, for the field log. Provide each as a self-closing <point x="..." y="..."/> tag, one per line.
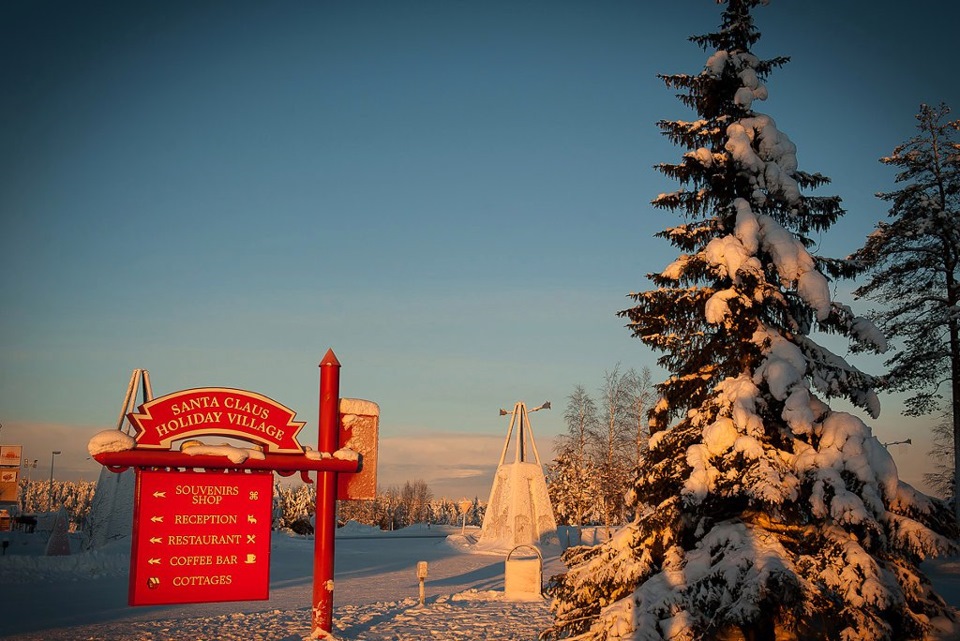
<point x="346" y="454"/>
<point x="110" y="441"/>
<point x="235" y="454"/>
<point x="359" y="406"/>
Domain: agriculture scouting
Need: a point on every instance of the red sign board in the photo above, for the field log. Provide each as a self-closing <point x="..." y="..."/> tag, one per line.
<point x="359" y="422"/>
<point x="217" y="410"/>
<point x="201" y="537"/>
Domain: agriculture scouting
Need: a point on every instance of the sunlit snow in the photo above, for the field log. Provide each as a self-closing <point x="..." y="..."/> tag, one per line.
<point x="83" y="595"/>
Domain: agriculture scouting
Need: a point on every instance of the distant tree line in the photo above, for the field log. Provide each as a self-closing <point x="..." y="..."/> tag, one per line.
<point x="75" y="496"/>
<point x="393" y="508"/>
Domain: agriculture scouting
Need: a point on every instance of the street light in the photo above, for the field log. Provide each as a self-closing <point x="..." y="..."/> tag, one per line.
<point x="519" y="414"/>
<point x="27" y="464"/>
<point x="545" y="406"/>
<point x="904" y="442"/>
<point x="52" y="457"/>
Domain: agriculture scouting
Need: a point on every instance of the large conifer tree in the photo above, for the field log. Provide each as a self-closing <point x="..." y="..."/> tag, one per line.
<point x="761" y="512"/>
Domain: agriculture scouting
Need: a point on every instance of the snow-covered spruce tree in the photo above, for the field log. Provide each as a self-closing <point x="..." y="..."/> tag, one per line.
<point x="761" y="512"/>
<point x="913" y="264"/>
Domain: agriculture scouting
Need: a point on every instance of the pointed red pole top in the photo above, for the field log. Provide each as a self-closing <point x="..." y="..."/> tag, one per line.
<point x="330" y="359"/>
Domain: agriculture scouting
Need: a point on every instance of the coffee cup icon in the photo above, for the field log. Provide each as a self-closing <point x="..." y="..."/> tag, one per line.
<point x="251" y="558"/>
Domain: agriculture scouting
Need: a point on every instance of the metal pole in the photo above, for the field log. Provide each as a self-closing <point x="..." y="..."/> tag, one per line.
<point x="131" y="392"/>
<point x="325" y="518"/>
<point x="506" y="443"/>
<point x="533" y="443"/>
<point x="26" y="487"/>
<point x="521" y="437"/>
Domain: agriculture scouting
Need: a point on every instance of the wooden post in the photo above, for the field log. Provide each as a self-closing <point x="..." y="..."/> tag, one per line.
<point x="422" y="576"/>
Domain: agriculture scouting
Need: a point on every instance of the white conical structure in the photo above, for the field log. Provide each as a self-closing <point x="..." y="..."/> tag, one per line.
<point x="111" y="512"/>
<point x="519" y="510"/>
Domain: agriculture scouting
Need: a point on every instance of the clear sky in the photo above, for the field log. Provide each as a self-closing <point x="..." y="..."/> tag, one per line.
<point x="453" y="196"/>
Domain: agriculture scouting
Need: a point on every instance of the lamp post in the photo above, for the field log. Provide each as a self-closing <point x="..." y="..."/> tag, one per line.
<point x="904" y="442"/>
<point x="519" y="414"/>
<point x="53" y="456"/>
<point x="27" y="464"/>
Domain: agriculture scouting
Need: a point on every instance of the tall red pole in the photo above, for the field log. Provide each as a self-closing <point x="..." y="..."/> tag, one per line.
<point x="326" y="517"/>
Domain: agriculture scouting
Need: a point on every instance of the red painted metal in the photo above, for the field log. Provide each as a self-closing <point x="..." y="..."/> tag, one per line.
<point x="200" y="537"/>
<point x="326" y="516"/>
<point x="220" y="411"/>
<point x="282" y="463"/>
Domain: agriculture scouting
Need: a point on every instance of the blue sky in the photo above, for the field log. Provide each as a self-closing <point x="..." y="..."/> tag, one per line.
<point x="453" y="196"/>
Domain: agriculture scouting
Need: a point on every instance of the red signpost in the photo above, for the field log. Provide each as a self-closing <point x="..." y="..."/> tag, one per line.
<point x="323" y="541"/>
<point x="205" y="536"/>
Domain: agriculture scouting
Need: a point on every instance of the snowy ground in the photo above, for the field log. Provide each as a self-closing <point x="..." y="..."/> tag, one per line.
<point x="84" y="596"/>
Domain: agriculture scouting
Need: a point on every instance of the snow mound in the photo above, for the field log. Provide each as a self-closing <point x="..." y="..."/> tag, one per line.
<point x="110" y="441"/>
<point x="235" y="454"/>
<point x="111" y="560"/>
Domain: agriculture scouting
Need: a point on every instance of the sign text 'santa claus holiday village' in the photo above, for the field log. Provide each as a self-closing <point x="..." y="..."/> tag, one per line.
<point x="217" y="410"/>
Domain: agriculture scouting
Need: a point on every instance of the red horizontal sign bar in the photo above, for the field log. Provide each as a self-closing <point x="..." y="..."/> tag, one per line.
<point x="272" y="462"/>
<point x="220" y="411"/>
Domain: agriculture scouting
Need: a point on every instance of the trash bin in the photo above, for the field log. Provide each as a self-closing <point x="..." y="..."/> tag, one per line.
<point x="523" y="576"/>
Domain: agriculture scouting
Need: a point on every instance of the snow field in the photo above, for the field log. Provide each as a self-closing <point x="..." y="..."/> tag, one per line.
<point x="466" y="616"/>
<point x="83" y="596"/>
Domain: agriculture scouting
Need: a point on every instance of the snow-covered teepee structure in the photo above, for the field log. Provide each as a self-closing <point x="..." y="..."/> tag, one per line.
<point x="519" y="510"/>
<point x="761" y="512"/>
<point x="111" y="512"/>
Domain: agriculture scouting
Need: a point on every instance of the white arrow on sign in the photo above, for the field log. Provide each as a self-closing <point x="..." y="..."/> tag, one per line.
<point x="160" y="495"/>
<point x="157" y="519"/>
<point x="156" y="539"/>
<point x="153" y="561"/>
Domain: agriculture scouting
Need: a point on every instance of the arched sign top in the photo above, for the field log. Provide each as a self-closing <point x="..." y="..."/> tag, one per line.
<point x="218" y="411"/>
